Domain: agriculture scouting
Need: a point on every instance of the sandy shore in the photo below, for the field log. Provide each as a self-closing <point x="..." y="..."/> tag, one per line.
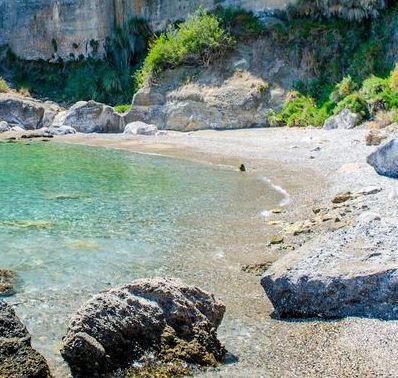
<point x="312" y="166"/>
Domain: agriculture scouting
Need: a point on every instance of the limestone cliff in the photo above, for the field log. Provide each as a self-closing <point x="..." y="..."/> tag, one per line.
<point x="51" y="29"/>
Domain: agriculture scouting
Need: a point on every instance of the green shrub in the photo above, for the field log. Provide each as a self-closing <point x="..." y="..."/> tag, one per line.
<point x="197" y="41"/>
<point x="4" y="88"/>
<point x="374" y="86"/>
<point x="122" y="108"/>
<point x="354" y="102"/>
<point x="394" y="78"/>
<point x="239" y="22"/>
<point x="343" y="89"/>
<point x="396" y="116"/>
<point x="379" y="93"/>
<point x="299" y="111"/>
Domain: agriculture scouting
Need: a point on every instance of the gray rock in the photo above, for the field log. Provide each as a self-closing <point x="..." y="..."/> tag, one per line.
<point x="91" y="117"/>
<point x="140" y="128"/>
<point x="385" y="159"/>
<point x="61" y="130"/>
<point x="148" y="96"/>
<point x="4" y="126"/>
<point x="44" y="132"/>
<point x="18" y="129"/>
<point x="344" y="120"/>
<point x="223" y="97"/>
<point x="339" y="274"/>
<point x="17" y="357"/>
<point x="8" y="281"/>
<point x="369" y="190"/>
<point x="118" y="327"/>
<point x="26" y="112"/>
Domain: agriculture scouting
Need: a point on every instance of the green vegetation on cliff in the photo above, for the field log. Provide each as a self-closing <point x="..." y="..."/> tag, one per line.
<point x="198" y="41"/>
<point x="109" y="80"/>
<point x="373" y="95"/>
<point x="331" y="47"/>
<point x="4" y="88"/>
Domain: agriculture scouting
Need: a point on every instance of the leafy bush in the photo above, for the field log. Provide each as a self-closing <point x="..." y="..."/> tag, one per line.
<point x="374" y="86"/>
<point x="380" y="93"/>
<point x="394" y="78"/>
<point x="354" y="102"/>
<point x="299" y="111"/>
<point x="4" y="88"/>
<point x="122" y="108"/>
<point x="343" y="89"/>
<point x="239" y="22"/>
<point x="197" y="41"/>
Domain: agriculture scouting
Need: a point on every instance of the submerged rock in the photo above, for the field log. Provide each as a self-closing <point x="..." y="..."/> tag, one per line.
<point x="163" y="317"/>
<point x="17" y="357"/>
<point x="8" y="281"/>
<point x="140" y="128"/>
<point x="385" y="159"/>
<point x="344" y="120"/>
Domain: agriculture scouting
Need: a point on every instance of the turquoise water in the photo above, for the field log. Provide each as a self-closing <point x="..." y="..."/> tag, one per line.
<point x="77" y="220"/>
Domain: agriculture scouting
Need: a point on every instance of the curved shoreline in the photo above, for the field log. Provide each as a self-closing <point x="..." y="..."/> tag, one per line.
<point x="312" y="165"/>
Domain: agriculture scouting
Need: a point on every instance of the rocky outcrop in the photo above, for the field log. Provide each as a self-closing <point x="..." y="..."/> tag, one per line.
<point x="235" y="92"/>
<point x="68" y="29"/>
<point x="341" y="273"/>
<point x="26" y="112"/>
<point x="344" y="120"/>
<point x="385" y="159"/>
<point x="91" y="117"/>
<point x="140" y="128"/>
<point x="160" y="316"/>
<point x="17" y="358"/>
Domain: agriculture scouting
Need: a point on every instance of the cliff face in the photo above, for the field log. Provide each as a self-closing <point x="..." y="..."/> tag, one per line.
<point x="48" y="29"/>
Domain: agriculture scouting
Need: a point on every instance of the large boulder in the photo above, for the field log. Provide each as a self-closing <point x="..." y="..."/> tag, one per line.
<point x="385" y="159"/>
<point x="91" y="117"/>
<point x="237" y="101"/>
<point x="343" y="120"/>
<point x="163" y="317"/>
<point x="17" y="357"/>
<point x="27" y="112"/>
<point x="339" y="274"/>
<point x="140" y="128"/>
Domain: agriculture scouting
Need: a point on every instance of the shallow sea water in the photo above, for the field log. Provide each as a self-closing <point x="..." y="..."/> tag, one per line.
<point x="77" y="220"/>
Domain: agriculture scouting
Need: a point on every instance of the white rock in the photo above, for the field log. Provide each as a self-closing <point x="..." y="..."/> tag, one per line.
<point x="140" y="128"/>
<point x="369" y="216"/>
<point x="62" y="130"/>
<point x="4" y="126"/>
<point x="18" y="129"/>
<point x="369" y="190"/>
